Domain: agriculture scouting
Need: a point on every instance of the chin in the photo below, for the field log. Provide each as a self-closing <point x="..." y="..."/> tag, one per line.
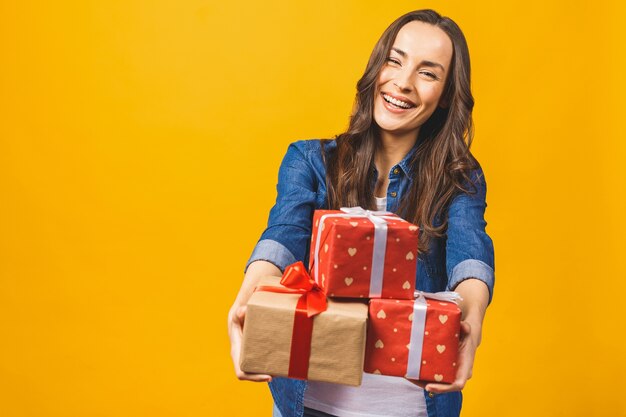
<point x="389" y="126"/>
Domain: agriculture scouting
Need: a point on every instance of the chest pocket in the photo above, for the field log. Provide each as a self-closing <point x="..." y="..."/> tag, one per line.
<point x="320" y="199"/>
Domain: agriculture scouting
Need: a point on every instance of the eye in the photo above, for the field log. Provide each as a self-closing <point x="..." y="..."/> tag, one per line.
<point x="429" y="74"/>
<point x="395" y="61"/>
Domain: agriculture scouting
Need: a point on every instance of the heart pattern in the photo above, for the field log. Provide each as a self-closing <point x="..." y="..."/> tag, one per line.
<point x="412" y="228"/>
<point x="354" y="224"/>
<point x="439" y="347"/>
<point x="348" y="281"/>
<point x="325" y="247"/>
<point x="406" y="285"/>
<point x="351" y="251"/>
<point x="409" y="256"/>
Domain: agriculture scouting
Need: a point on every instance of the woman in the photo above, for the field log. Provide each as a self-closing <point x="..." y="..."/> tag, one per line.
<point x="412" y="124"/>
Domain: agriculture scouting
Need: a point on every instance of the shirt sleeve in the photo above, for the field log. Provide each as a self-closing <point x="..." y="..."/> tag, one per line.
<point x="288" y="232"/>
<point x="469" y="249"/>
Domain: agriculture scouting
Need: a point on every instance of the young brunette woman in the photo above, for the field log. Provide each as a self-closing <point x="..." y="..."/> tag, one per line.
<point x="407" y="151"/>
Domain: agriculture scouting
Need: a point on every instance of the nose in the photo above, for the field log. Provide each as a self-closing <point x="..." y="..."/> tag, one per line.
<point x="403" y="79"/>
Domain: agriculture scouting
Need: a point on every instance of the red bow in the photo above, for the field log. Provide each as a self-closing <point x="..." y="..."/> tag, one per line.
<point x="311" y="303"/>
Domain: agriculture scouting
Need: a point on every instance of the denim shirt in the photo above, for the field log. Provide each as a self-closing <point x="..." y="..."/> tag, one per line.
<point x="466" y="251"/>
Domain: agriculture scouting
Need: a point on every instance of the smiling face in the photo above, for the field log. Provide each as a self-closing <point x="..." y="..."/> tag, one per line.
<point x="412" y="79"/>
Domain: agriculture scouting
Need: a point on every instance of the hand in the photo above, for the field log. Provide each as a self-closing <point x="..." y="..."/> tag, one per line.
<point x="236" y="317"/>
<point x="467" y="350"/>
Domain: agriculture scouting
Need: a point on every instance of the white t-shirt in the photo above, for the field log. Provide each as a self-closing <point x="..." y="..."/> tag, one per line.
<point x="377" y="396"/>
<point x="381" y="203"/>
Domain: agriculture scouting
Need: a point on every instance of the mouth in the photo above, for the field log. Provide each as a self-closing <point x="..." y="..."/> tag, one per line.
<point x="397" y="102"/>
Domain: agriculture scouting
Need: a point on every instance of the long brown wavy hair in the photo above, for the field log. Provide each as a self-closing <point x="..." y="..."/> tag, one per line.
<point x="442" y="162"/>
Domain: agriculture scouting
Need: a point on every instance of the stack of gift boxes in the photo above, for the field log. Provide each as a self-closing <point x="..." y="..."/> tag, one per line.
<point x="354" y="310"/>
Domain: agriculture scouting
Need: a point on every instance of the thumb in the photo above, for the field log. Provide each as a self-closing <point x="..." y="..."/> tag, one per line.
<point x="466" y="329"/>
<point x="241" y="313"/>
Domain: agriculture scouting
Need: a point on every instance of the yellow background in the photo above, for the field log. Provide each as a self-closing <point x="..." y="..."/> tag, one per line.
<point x="139" y="149"/>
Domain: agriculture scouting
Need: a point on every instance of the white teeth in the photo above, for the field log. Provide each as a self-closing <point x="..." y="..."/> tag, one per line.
<point x="396" y="102"/>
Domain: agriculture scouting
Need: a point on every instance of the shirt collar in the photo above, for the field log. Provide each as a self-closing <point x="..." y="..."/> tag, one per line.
<point x="405" y="163"/>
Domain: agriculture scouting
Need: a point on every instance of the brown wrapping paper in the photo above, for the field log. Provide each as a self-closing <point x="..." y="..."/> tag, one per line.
<point x="338" y="342"/>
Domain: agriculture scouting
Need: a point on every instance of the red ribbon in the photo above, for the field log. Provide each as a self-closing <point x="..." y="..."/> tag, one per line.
<point x="312" y="302"/>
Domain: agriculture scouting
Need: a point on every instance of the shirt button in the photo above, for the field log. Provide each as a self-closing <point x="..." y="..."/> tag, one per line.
<point x="431" y="395"/>
<point x="393" y="194"/>
<point x="396" y="171"/>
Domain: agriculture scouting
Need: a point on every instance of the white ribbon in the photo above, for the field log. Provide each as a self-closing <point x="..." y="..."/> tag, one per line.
<point x="418" y="324"/>
<point x="451" y="296"/>
<point x="378" y="218"/>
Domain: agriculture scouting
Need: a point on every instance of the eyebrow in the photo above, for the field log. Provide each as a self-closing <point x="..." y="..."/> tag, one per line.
<point x="425" y="62"/>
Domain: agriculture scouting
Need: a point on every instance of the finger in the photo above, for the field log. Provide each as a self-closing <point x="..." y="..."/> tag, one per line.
<point x="466" y="329"/>
<point x="466" y="363"/>
<point x="241" y="314"/>
<point x="235" y="350"/>
<point x="463" y="374"/>
<point x="244" y="376"/>
<point x="420" y="384"/>
<point x="236" y="335"/>
<point x="441" y="388"/>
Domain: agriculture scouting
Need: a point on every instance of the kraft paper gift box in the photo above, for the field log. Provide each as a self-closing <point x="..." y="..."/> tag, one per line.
<point x="358" y="253"/>
<point x="414" y="339"/>
<point x="337" y="342"/>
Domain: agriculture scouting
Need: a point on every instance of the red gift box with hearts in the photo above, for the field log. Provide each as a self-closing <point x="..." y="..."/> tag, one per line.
<point x="358" y="253"/>
<point x="414" y="339"/>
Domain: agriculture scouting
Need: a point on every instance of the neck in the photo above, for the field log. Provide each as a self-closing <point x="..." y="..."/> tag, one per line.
<point x="392" y="149"/>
